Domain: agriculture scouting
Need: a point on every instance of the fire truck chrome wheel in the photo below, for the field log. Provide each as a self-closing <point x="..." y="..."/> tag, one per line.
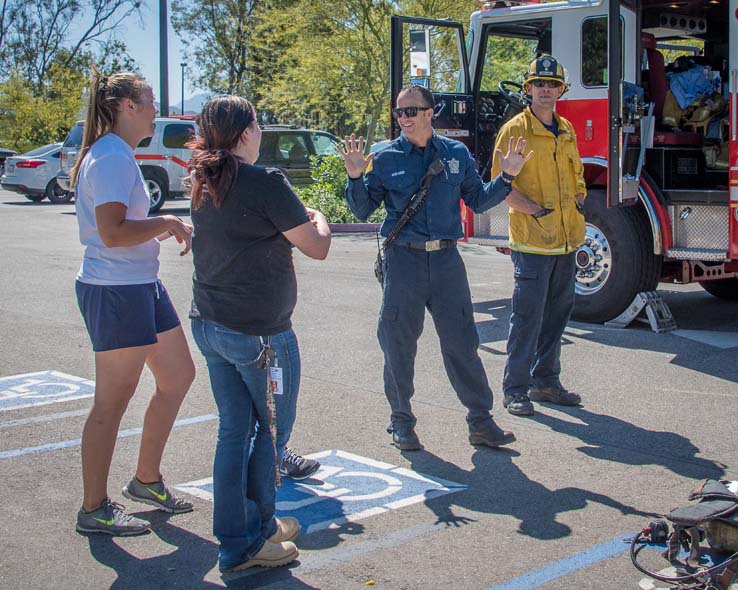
<point x="594" y="261"/>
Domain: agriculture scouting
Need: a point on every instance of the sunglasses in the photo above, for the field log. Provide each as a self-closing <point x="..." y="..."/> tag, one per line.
<point x="546" y="83"/>
<point x="408" y="111"/>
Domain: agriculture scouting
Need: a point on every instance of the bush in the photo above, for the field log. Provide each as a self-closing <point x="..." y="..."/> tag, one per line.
<point x="326" y="194"/>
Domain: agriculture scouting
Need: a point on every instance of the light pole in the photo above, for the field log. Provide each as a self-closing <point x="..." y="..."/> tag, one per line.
<point x="182" y="65"/>
<point x="163" y="60"/>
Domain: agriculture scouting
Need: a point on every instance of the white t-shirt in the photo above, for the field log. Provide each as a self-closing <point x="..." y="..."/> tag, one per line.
<point x="109" y="174"/>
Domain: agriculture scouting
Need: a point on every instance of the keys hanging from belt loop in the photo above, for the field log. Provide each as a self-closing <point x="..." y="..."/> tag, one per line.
<point x="265" y="358"/>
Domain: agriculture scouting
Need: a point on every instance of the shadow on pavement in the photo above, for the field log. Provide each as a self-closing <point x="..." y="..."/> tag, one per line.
<point x="275" y="579"/>
<point x="495" y="485"/>
<point x="185" y="567"/>
<point x="612" y="439"/>
<point x="332" y="536"/>
<point x="693" y="310"/>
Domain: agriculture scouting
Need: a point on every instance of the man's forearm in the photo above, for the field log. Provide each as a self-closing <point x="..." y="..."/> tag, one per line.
<point x="519" y="202"/>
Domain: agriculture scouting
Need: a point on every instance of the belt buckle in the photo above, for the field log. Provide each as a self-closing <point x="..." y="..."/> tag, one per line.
<point x="433" y="246"/>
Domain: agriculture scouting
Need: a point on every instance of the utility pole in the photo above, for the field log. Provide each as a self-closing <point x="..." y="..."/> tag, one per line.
<point x="182" y="65"/>
<point x="163" y="60"/>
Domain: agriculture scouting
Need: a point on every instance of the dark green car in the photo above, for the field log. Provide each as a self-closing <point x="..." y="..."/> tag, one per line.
<point x="290" y="149"/>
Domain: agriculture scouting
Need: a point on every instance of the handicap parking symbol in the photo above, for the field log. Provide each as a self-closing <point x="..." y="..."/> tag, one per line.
<point x="43" y="387"/>
<point x="347" y="488"/>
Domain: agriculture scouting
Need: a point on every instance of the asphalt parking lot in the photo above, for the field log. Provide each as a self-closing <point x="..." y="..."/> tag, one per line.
<point x="549" y="512"/>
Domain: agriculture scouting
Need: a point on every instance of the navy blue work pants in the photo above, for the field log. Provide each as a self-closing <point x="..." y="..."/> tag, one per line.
<point x="416" y="280"/>
<point x="542" y="303"/>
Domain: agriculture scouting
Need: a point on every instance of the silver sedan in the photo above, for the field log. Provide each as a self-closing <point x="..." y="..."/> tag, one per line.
<point x="33" y="175"/>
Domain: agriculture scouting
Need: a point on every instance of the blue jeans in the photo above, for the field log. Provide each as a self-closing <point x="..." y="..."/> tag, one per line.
<point x="542" y="303"/>
<point x="244" y="486"/>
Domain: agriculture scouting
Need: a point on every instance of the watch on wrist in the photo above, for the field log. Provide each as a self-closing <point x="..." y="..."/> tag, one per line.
<point x="508" y="178"/>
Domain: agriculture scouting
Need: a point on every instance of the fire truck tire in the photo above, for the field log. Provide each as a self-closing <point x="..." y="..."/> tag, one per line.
<point x="616" y="261"/>
<point x="158" y="188"/>
<point x="725" y="289"/>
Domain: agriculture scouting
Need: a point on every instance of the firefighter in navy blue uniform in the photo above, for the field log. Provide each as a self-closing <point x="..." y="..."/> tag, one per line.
<point x="423" y="268"/>
<point x="543" y="244"/>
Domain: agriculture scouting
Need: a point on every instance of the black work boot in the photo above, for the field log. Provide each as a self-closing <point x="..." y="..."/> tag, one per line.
<point x="518" y="404"/>
<point x="405" y="439"/>
<point x="491" y="435"/>
<point x="554" y="395"/>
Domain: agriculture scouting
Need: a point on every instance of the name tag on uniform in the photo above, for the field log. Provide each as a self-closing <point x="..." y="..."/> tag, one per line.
<point x="276" y="375"/>
<point x="453" y="166"/>
<point x="398" y="173"/>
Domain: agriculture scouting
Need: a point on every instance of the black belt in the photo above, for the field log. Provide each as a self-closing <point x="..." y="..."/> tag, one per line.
<point x="432" y="246"/>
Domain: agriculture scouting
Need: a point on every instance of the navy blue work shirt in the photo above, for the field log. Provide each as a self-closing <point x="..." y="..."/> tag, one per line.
<point x="395" y="177"/>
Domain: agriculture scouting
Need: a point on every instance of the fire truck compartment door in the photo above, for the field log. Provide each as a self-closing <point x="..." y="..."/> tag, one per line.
<point x="733" y="131"/>
<point x="615" y="105"/>
<point x="432" y="53"/>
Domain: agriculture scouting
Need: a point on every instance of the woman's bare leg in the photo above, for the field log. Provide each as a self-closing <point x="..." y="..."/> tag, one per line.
<point x="171" y="364"/>
<point x="117" y="373"/>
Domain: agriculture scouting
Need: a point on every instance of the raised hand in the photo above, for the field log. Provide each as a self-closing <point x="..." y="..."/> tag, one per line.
<point x="513" y="161"/>
<point x="352" y="152"/>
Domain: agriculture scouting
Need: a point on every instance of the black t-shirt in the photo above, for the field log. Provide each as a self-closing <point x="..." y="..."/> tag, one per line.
<point x="244" y="277"/>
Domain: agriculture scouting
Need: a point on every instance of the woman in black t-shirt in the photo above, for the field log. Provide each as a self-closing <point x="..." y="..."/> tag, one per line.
<point x="246" y="219"/>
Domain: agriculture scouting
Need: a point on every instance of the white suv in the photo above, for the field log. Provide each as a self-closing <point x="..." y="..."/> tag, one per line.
<point x="162" y="158"/>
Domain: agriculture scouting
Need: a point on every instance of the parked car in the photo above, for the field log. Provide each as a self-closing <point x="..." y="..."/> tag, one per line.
<point x="33" y="175"/>
<point x="5" y="153"/>
<point x="163" y="158"/>
<point x="290" y="148"/>
<point x="379" y="145"/>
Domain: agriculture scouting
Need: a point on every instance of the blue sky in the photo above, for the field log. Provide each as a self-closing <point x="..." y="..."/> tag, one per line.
<point x="142" y="40"/>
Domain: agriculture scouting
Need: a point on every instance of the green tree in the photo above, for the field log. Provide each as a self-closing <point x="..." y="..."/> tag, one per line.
<point x="29" y="119"/>
<point x="326" y="194"/>
<point x="36" y="36"/>
<point x="218" y="37"/>
<point x="333" y="68"/>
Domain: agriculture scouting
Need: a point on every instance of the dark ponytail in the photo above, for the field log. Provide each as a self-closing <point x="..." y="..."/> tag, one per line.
<point x="214" y="167"/>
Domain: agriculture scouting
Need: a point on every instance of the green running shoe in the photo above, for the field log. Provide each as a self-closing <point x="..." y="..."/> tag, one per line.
<point x="156" y="494"/>
<point x="110" y="519"/>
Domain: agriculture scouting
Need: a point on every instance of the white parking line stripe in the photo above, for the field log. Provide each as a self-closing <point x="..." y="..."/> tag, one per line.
<point x="45" y="418"/>
<point x="65" y="444"/>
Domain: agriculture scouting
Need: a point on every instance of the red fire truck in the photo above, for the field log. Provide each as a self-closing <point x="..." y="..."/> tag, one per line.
<point x="661" y="161"/>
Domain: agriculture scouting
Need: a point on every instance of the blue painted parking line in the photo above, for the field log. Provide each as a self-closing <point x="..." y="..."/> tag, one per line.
<point x="40" y="388"/>
<point x="566" y="566"/>
<point x="75" y="442"/>
<point x="347" y="488"/>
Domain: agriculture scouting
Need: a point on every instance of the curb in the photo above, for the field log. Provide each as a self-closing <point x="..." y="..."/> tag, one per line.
<point x="339" y="228"/>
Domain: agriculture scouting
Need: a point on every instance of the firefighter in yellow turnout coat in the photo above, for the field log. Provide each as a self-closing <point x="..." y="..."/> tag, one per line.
<point x="543" y="244"/>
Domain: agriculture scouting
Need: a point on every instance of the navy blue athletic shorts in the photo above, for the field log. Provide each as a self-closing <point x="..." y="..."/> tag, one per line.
<point x="121" y="316"/>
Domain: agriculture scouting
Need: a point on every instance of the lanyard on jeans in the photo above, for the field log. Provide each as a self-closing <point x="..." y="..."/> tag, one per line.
<point x="264" y="360"/>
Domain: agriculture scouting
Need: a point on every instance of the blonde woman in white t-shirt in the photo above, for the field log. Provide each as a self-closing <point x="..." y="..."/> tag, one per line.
<point x="129" y="316"/>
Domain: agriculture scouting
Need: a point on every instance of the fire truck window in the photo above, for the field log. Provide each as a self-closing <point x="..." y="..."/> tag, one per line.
<point x="594" y="46"/>
<point x="433" y="58"/>
<point x="594" y="50"/>
<point x="509" y="50"/>
<point x="177" y="135"/>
